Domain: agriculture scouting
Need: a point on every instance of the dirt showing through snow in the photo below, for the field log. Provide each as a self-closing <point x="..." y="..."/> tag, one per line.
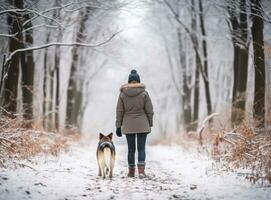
<point x="172" y="174"/>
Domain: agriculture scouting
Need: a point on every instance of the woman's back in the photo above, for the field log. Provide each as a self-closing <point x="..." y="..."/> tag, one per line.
<point x="133" y="96"/>
<point x="135" y="108"/>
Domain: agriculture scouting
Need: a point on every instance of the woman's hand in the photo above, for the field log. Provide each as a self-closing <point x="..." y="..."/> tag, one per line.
<point x="118" y="132"/>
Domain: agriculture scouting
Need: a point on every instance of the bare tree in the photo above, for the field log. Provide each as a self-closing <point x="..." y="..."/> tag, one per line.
<point x="186" y="82"/>
<point x="54" y="77"/>
<point x="74" y="98"/>
<point x="11" y="68"/>
<point x="205" y="60"/>
<point x="201" y="61"/>
<point x="238" y="23"/>
<point x="197" y="67"/>
<point x="45" y="78"/>
<point x="259" y="62"/>
<point x="28" y="67"/>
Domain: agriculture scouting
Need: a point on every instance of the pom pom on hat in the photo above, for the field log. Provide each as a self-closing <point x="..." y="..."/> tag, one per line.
<point x="133" y="76"/>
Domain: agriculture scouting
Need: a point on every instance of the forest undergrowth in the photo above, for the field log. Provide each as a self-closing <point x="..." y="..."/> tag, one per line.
<point x="245" y="147"/>
<point x="20" y="141"/>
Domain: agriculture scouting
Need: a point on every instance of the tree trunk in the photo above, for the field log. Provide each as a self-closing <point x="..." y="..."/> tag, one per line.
<point x="57" y="63"/>
<point x="56" y="71"/>
<point x="197" y="68"/>
<point x="240" y="44"/>
<point x="234" y="28"/>
<point x="71" y="89"/>
<point x="51" y="86"/>
<point x="2" y="75"/>
<point x="243" y="61"/>
<point x="27" y="66"/>
<point x="51" y="116"/>
<point x="45" y="94"/>
<point x="28" y="74"/>
<point x="71" y="119"/>
<point x="234" y="113"/>
<point x="205" y="59"/>
<point x="259" y="63"/>
<point x="186" y="95"/>
<point x="196" y="95"/>
<point x="12" y="68"/>
<point x="77" y="106"/>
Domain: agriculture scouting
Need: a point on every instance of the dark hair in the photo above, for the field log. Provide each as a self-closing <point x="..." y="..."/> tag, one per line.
<point x="133" y="76"/>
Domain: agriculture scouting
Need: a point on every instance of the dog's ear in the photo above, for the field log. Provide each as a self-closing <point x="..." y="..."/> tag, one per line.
<point x="101" y="136"/>
<point x="110" y="136"/>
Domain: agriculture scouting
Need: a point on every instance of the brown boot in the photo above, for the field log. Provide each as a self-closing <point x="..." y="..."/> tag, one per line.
<point x="131" y="172"/>
<point x="141" y="171"/>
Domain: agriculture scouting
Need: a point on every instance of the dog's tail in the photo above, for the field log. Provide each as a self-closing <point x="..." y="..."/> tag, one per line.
<point x="107" y="158"/>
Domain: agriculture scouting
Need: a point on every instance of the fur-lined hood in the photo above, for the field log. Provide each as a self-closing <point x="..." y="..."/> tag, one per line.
<point x="132" y="89"/>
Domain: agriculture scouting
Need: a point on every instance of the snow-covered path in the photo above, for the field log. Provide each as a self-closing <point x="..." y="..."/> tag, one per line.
<point x="173" y="174"/>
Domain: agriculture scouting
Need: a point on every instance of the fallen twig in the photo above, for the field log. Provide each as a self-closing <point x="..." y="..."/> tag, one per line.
<point x="230" y="142"/>
<point x="203" y="125"/>
<point x="24" y="165"/>
<point x="7" y="140"/>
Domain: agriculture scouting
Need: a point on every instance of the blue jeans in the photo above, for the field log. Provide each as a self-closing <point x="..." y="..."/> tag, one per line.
<point x="141" y="141"/>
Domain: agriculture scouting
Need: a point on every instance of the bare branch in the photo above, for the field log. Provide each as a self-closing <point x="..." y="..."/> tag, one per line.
<point x="15" y="11"/>
<point x="60" y="44"/>
<point x="46" y="11"/>
<point x="176" y="16"/>
<point x="28" y="29"/>
<point x="39" y="26"/>
<point x="203" y="124"/>
<point x="8" y="35"/>
<point x="44" y="16"/>
<point x="27" y="11"/>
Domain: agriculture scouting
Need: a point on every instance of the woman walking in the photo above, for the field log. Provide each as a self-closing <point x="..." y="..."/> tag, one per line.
<point x="134" y="119"/>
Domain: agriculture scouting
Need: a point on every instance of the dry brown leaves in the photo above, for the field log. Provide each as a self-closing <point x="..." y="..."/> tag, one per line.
<point x="18" y="142"/>
<point x="246" y="148"/>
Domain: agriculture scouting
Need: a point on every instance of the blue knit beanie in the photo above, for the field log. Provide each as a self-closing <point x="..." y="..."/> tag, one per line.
<point x="133" y="76"/>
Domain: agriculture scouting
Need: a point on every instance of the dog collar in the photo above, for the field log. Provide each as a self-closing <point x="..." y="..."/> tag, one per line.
<point x="104" y="144"/>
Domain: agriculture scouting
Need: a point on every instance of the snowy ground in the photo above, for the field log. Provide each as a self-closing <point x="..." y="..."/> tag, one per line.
<point x="173" y="174"/>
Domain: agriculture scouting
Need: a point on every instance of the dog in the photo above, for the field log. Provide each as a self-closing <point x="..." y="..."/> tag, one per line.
<point x="106" y="155"/>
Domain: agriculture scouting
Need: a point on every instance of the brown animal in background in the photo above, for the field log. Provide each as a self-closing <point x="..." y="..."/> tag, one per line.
<point x="106" y="155"/>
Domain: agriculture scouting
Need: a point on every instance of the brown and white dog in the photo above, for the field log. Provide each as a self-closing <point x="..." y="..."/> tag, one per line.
<point x="106" y="155"/>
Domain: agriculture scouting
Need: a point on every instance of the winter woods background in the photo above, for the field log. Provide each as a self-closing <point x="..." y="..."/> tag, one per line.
<point x="63" y="61"/>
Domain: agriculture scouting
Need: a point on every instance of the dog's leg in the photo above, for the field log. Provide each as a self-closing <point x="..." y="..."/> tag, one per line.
<point x="111" y="168"/>
<point x="102" y="167"/>
<point x="100" y="171"/>
<point x="103" y="172"/>
<point x="101" y="164"/>
<point x="112" y="163"/>
<point x="111" y="173"/>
